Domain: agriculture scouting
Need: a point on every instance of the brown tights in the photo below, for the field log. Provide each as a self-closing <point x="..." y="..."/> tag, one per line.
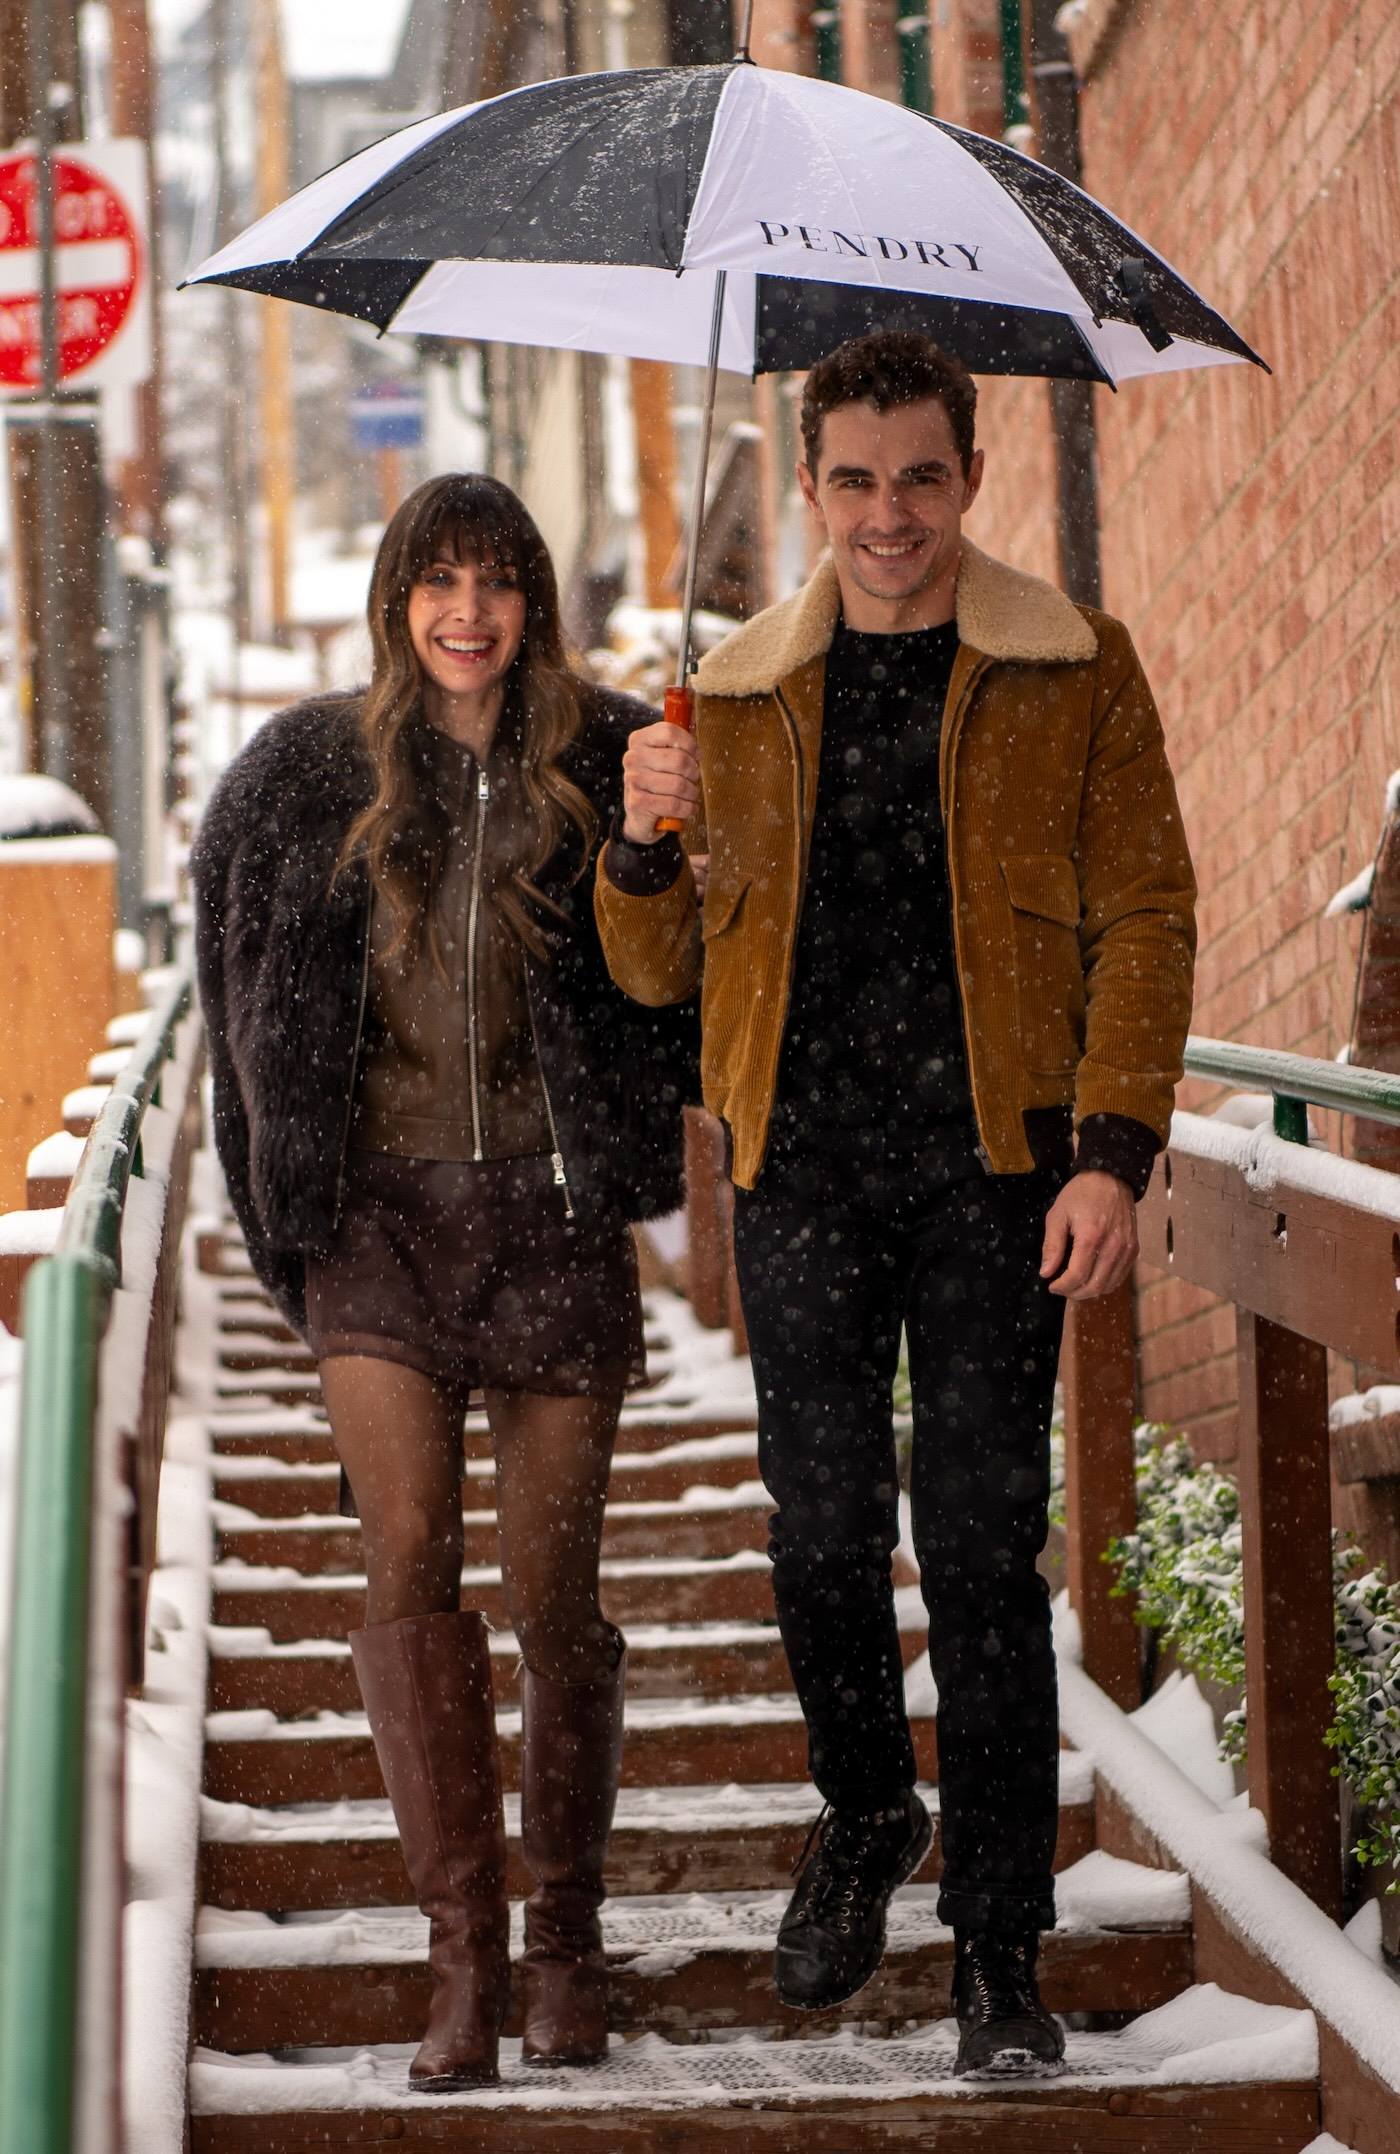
<point x="399" y="1435"/>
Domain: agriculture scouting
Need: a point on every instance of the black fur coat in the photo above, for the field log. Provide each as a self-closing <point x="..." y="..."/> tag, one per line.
<point x="282" y="957"/>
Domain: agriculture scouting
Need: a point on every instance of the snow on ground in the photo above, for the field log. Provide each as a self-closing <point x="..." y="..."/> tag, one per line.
<point x="163" y="1761"/>
<point x="1203" y="2037"/>
<point x="1179" y="1721"/>
<point x="662" y="1932"/>
<point x="1222" y="1851"/>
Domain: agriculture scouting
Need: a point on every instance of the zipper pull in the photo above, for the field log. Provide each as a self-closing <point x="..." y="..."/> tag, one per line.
<point x="483" y="785"/>
<point x="561" y="1181"/>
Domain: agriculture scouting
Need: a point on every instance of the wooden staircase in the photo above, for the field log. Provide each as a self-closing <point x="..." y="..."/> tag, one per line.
<point x="311" y="1984"/>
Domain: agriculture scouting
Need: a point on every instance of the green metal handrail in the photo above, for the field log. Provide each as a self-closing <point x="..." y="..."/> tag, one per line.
<point x="1296" y="1082"/>
<point x="66" y="1304"/>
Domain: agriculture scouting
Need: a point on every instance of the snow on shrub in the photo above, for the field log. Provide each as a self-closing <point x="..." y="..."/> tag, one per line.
<point x="1185" y="1564"/>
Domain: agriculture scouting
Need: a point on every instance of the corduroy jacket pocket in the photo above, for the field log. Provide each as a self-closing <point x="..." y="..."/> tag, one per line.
<point x="720" y="907"/>
<point x="725" y="988"/>
<point x="1043" y="891"/>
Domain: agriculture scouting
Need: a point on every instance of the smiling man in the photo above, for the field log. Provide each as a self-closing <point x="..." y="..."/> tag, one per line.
<point x="947" y="947"/>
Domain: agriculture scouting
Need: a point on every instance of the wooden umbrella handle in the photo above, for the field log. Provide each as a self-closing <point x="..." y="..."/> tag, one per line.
<point x="680" y="710"/>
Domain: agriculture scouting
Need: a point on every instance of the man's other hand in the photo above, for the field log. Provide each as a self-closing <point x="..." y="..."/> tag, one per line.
<point x="1093" y="1224"/>
<point x="660" y="779"/>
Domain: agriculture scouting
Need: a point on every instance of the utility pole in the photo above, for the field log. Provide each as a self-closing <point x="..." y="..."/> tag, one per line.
<point x="132" y="92"/>
<point x="278" y="438"/>
<point x="234" y="432"/>
<point x="1054" y="99"/>
<point x="55" y="449"/>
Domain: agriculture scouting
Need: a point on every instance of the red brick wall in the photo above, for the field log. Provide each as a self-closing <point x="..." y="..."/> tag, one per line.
<point x="1251" y="525"/>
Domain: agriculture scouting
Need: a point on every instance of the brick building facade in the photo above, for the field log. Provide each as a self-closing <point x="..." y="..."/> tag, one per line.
<point x="1250" y="524"/>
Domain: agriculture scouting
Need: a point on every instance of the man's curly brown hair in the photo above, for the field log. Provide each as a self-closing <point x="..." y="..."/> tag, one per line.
<point x="891" y="367"/>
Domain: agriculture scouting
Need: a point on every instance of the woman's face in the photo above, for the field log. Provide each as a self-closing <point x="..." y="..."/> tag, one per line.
<point x="466" y="621"/>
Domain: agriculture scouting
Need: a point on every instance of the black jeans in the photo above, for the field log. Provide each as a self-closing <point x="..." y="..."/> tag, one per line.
<point x="826" y="1288"/>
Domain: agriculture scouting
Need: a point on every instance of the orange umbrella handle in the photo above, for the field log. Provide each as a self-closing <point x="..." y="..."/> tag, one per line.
<point x="680" y="710"/>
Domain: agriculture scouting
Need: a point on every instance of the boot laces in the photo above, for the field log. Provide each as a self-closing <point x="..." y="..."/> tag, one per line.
<point x="1003" y="1979"/>
<point x="836" y="1879"/>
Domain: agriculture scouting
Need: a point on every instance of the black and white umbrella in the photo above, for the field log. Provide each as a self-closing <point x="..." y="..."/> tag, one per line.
<point x="727" y="216"/>
<point x="593" y="211"/>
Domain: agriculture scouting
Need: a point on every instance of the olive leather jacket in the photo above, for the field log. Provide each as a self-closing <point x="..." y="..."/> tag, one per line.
<point x="1072" y="890"/>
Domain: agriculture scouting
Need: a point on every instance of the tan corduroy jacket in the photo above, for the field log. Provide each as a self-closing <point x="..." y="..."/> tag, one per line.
<point x="1072" y="891"/>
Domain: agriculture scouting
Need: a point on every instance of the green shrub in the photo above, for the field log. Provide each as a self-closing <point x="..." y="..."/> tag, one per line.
<point x="1184" y="1562"/>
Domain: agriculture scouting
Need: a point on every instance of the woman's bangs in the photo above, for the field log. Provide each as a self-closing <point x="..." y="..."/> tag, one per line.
<point x="479" y="531"/>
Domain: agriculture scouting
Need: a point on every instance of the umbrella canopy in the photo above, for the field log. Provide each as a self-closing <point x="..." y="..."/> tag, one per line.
<point x="592" y="213"/>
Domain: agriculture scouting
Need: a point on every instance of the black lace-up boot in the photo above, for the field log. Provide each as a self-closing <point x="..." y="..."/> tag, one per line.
<point x="832" y="1938"/>
<point x="1005" y="2030"/>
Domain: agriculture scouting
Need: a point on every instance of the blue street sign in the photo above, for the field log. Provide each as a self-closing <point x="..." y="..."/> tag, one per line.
<point x="387" y="415"/>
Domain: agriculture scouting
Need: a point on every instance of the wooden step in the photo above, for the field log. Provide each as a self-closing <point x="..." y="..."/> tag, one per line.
<point x="758" y="2111"/>
<point x="657" y="1589"/>
<point x="248" y="1671"/>
<point x="696" y="1839"/>
<point x="296" y="1438"/>
<point x="322" y="1542"/>
<point x="643" y="1428"/>
<point x="362" y="1977"/>
<point x="274" y="1488"/>
<point x="253" y="1758"/>
<point x="297" y="1433"/>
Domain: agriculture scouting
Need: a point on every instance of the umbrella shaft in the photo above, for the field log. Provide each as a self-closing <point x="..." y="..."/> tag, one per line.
<point x="702" y="463"/>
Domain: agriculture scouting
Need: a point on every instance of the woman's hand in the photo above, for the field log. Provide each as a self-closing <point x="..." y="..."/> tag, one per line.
<point x="660" y="779"/>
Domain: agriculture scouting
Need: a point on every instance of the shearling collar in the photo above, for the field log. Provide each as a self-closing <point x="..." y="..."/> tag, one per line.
<point x="1001" y="613"/>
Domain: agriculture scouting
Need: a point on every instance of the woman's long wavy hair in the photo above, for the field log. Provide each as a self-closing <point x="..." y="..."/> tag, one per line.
<point x="403" y="833"/>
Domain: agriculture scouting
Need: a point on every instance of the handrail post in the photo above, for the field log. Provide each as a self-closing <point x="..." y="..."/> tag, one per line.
<point x="1289" y="1619"/>
<point x="1290" y="1118"/>
<point x="1098" y="1369"/>
<point x="65" y="1308"/>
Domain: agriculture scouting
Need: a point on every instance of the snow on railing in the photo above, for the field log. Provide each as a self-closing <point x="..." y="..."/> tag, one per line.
<point x="98" y="1319"/>
<point x="1307" y="1247"/>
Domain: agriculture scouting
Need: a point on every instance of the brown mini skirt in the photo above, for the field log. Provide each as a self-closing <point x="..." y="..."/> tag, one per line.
<point x="474" y="1273"/>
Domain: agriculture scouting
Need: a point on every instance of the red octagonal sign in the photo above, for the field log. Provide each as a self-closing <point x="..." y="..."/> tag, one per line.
<point x="99" y="266"/>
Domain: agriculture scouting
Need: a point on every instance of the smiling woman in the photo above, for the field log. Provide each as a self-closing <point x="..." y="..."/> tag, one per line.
<point x="436" y="1116"/>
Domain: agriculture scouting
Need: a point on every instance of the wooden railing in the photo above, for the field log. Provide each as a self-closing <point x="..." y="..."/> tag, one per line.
<point x="1307" y="1247"/>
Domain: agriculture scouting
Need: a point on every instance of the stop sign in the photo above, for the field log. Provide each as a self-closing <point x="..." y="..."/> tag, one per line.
<point x="100" y="265"/>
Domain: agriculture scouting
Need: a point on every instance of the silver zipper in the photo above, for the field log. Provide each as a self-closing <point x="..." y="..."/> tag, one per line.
<point x="483" y="790"/>
<point x="354" y="1059"/>
<point x="561" y="1179"/>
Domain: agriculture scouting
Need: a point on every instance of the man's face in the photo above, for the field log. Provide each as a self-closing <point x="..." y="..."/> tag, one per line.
<point x="891" y="494"/>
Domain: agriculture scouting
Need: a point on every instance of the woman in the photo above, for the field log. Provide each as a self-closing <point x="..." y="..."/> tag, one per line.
<point x="436" y="1116"/>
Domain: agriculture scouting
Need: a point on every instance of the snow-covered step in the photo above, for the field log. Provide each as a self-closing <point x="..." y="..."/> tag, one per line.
<point x="1206" y="2073"/>
<point x="681" y="1961"/>
<point x="247" y="1669"/>
<point x="706" y="1522"/>
<point x="254" y="1757"/>
<point x="245" y="1350"/>
<point x="651" y="1589"/>
<point x="284" y="1387"/>
<point x="278" y="1488"/>
<point x="690" y="1839"/>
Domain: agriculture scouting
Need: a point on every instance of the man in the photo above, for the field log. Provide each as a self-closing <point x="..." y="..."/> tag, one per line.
<point x="947" y="932"/>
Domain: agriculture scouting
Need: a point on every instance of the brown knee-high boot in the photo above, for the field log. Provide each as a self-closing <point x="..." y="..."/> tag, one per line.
<point x="568" y="1789"/>
<point x="426" y="1683"/>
